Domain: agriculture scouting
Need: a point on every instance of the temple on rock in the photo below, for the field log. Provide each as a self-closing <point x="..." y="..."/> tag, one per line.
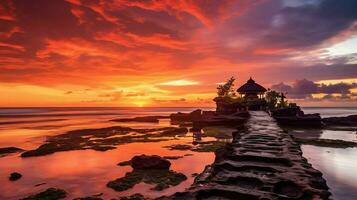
<point x="253" y="95"/>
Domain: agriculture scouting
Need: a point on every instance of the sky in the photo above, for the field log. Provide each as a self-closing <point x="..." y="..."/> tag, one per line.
<point x="175" y="52"/>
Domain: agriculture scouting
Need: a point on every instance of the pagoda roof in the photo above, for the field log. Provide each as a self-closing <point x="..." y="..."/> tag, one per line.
<point x="251" y="86"/>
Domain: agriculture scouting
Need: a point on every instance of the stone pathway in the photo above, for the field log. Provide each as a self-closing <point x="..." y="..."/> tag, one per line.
<point x="262" y="163"/>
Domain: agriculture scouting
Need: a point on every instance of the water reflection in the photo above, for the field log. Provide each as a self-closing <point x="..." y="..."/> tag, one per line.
<point x="339" y="168"/>
<point x="83" y="173"/>
<point x="86" y="172"/>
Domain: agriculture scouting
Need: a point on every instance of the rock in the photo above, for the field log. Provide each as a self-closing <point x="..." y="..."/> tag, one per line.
<point x="291" y="111"/>
<point x="182" y="147"/>
<point x="8" y="150"/>
<point x="49" y="194"/>
<point x="186" y="117"/>
<point x="172" y="157"/>
<point x="125" y="163"/>
<point x="350" y="120"/>
<point x="136" y="196"/>
<point x="161" y="178"/>
<point x="39" y="184"/>
<point x="152" y="119"/>
<point x="294" y="116"/>
<point x="88" y="198"/>
<point x="15" y="176"/>
<point x="102" y="139"/>
<point x="149" y="162"/>
<point x="264" y="163"/>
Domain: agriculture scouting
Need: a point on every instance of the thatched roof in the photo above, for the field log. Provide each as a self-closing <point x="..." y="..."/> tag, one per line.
<point x="251" y="86"/>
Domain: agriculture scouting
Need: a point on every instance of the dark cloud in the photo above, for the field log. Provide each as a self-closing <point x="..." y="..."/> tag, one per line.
<point x="302" y="89"/>
<point x="313" y="72"/>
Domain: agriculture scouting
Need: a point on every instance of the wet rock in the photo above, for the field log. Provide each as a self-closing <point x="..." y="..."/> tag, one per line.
<point x="162" y="179"/>
<point x="182" y="147"/>
<point x="152" y="119"/>
<point x="49" y="194"/>
<point x="125" y="163"/>
<point x="7" y="150"/>
<point x="15" y="176"/>
<point x="172" y="157"/>
<point x="136" y="196"/>
<point x="149" y="162"/>
<point x="209" y="146"/>
<point x="264" y="163"/>
<point x="88" y="198"/>
<point x="39" y="184"/>
<point x="350" y="120"/>
<point x="102" y="139"/>
<point x="186" y="117"/>
<point x="294" y="116"/>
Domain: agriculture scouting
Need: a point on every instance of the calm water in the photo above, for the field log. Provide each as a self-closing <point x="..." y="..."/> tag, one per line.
<point x="86" y="172"/>
<point x="338" y="165"/>
<point x="331" y="111"/>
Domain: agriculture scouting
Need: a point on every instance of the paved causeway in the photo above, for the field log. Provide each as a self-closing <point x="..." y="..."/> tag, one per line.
<point x="262" y="163"/>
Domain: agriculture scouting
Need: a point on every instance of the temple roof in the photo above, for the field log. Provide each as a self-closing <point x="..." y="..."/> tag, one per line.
<point x="251" y="86"/>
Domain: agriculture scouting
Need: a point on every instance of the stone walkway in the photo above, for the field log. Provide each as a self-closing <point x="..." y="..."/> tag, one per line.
<point x="262" y="163"/>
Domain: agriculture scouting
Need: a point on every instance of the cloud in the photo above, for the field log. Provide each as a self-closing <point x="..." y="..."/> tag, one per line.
<point x="182" y="82"/>
<point x="170" y="43"/>
<point x="305" y="89"/>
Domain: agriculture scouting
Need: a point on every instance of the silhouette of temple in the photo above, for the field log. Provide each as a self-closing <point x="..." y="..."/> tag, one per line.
<point x="253" y="95"/>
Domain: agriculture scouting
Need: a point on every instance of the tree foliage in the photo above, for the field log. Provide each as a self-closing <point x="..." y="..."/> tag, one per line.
<point x="227" y="89"/>
<point x="275" y="99"/>
<point x="272" y="98"/>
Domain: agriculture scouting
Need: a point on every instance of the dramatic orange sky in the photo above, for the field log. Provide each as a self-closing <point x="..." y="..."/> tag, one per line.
<point x="175" y="52"/>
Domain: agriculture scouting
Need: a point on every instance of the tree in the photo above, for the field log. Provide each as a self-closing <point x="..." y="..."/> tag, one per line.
<point x="226" y="90"/>
<point x="272" y="98"/>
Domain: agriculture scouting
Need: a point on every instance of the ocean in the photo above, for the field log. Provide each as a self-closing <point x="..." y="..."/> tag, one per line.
<point x="86" y="172"/>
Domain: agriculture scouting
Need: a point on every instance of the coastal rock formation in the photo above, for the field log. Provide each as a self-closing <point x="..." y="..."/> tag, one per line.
<point x="102" y="139"/>
<point x="294" y="116"/>
<point x="15" y="176"/>
<point x="7" y="150"/>
<point x="152" y="119"/>
<point x="200" y="119"/>
<point x="350" y="120"/>
<point x="149" y="162"/>
<point x="151" y="170"/>
<point x="187" y="117"/>
<point x="88" y="198"/>
<point x="49" y="194"/>
<point x="262" y="162"/>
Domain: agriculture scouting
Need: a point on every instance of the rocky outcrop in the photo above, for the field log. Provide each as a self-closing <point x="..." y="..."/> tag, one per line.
<point x="102" y="139"/>
<point x="200" y="119"/>
<point x="49" y="194"/>
<point x="153" y="170"/>
<point x="294" y="116"/>
<point x="7" y="150"/>
<point x="15" y="176"/>
<point x="149" y="162"/>
<point x="187" y="117"/>
<point x="152" y="119"/>
<point x="350" y="120"/>
<point x="262" y="162"/>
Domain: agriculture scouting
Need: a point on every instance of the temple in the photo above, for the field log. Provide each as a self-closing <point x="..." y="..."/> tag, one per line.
<point x="253" y="95"/>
